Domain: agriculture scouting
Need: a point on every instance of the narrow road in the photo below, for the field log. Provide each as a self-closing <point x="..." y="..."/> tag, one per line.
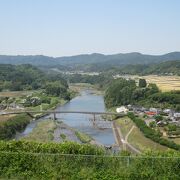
<point x="117" y="135"/>
<point x="120" y="141"/>
<point x="126" y="138"/>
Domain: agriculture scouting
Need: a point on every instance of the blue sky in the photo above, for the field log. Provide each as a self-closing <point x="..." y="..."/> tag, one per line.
<point x="69" y="27"/>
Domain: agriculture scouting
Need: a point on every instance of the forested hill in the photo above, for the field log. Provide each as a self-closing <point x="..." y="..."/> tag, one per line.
<point x="169" y="67"/>
<point x="20" y="77"/>
<point x="27" y="77"/>
<point x="91" y="60"/>
<point x="35" y="60"/>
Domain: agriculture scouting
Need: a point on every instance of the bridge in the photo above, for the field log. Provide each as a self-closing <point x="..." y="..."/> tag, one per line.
<point x="118" y="137"/>
<point x="63" y="112"/>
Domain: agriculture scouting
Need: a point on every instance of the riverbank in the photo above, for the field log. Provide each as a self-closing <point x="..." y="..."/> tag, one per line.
<point x="87" y="100"/>
<point x="135" y="137"/>
<point x="63" y="132"/>
<point x="50" y="130"/>
<point x="43" y="132"/>
<point x="78" y="87"/>
<point x="12" y="124"/>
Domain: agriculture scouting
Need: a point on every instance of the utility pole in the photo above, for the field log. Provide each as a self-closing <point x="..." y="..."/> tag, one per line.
<point x="54" y="116"/>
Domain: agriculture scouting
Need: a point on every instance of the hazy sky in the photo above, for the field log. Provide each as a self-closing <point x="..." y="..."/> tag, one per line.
<point x="69" y="27"/>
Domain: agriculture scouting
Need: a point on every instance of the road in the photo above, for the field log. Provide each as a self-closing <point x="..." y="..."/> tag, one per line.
<point x="126" y="138"/>
<point x="120" y="141"/>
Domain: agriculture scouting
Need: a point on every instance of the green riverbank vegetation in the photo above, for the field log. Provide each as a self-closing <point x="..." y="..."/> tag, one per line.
<point x="152" y="134"/>
<point x="136" y="138"/>
<point x="11" y="125"/>
<point x="84" y="138"/>
<point x="43" y="132"/>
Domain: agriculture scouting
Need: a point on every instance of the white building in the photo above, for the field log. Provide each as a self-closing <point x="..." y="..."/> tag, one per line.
<point x="122" y="109"/>
<point x="167" y="111"/>
<point x="177" y="115"/>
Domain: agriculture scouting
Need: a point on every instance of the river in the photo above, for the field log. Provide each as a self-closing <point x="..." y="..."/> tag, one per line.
<point x="101" y="131"/>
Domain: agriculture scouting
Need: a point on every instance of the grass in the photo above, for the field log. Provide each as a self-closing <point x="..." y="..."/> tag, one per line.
<point x="125" y="124"/>
<point x="176" y="140"/>
<point x="136" y="138"/>
<point x="84" y="138"/>
<point x="63" y="136"/>
<point x="43" y="132"/>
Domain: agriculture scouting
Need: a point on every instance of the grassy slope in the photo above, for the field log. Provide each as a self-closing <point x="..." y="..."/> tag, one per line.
<point x="176" y="140"/>
<point x="43" y="132"/>
<point x="84" y="138"/>
<point x="136" y="138"/>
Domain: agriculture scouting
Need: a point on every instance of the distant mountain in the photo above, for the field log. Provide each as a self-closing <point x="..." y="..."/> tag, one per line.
<point x="91" y="61"/>
<point x="35" y="60"/>
<point x="168" y="67"/>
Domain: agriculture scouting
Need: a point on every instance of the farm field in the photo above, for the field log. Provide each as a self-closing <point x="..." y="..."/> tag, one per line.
<point x="16" y="93"/>
<point x="5" y="117"/>
<point x="136" y="138"/>
<point x="165" y="83"/>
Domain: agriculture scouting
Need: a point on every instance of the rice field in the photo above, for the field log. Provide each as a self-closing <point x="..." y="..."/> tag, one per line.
<point x="5" y="117"/>
<point x="16" y="93"/>
<point x="165" y="83"/>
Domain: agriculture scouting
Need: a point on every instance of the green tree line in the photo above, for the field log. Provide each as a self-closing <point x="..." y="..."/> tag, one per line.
<point x="8" y="128"/>
<point x="124" y="92"/>
<point x="153" y="134"/>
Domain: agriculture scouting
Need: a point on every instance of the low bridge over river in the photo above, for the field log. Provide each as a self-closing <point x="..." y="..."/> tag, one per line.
<point x="63" y="112"/>
<point x="118" y="136"/>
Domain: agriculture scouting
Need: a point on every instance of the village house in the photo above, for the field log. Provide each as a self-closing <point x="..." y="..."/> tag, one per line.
<point x="2" y="106"/>
<point x="150" y="113"/>
<point x="177" y="116"/>
<point x="122" y="109"/>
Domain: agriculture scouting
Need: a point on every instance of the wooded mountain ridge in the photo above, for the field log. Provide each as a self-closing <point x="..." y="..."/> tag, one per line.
<point x="91" y="59"/>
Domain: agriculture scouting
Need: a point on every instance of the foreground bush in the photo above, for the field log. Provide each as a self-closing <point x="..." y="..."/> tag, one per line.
<point x="61" y="148"/>
<point x="30" y="160"/>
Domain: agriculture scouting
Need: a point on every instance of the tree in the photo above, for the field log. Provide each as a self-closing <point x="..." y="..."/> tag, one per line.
<point x="172" y="127"/>
<point x="142" y="83"/>
<point x="119" y="92"/>
<point x="56" y="89"/>
<point x="158" y="118"/>
<point x="152" y="124"/>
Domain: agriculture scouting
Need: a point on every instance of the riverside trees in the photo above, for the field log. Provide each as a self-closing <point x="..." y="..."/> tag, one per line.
<point x="124" y="92"/>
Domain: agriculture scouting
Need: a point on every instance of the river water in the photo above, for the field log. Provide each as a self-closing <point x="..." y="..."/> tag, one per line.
<point x="101" y="131"/>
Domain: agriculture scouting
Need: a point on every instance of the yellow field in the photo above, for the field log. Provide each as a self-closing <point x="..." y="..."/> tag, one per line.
<point x="5" y="117"/>
<point x="16" y="93"/>
<point x="165" y="83"/>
